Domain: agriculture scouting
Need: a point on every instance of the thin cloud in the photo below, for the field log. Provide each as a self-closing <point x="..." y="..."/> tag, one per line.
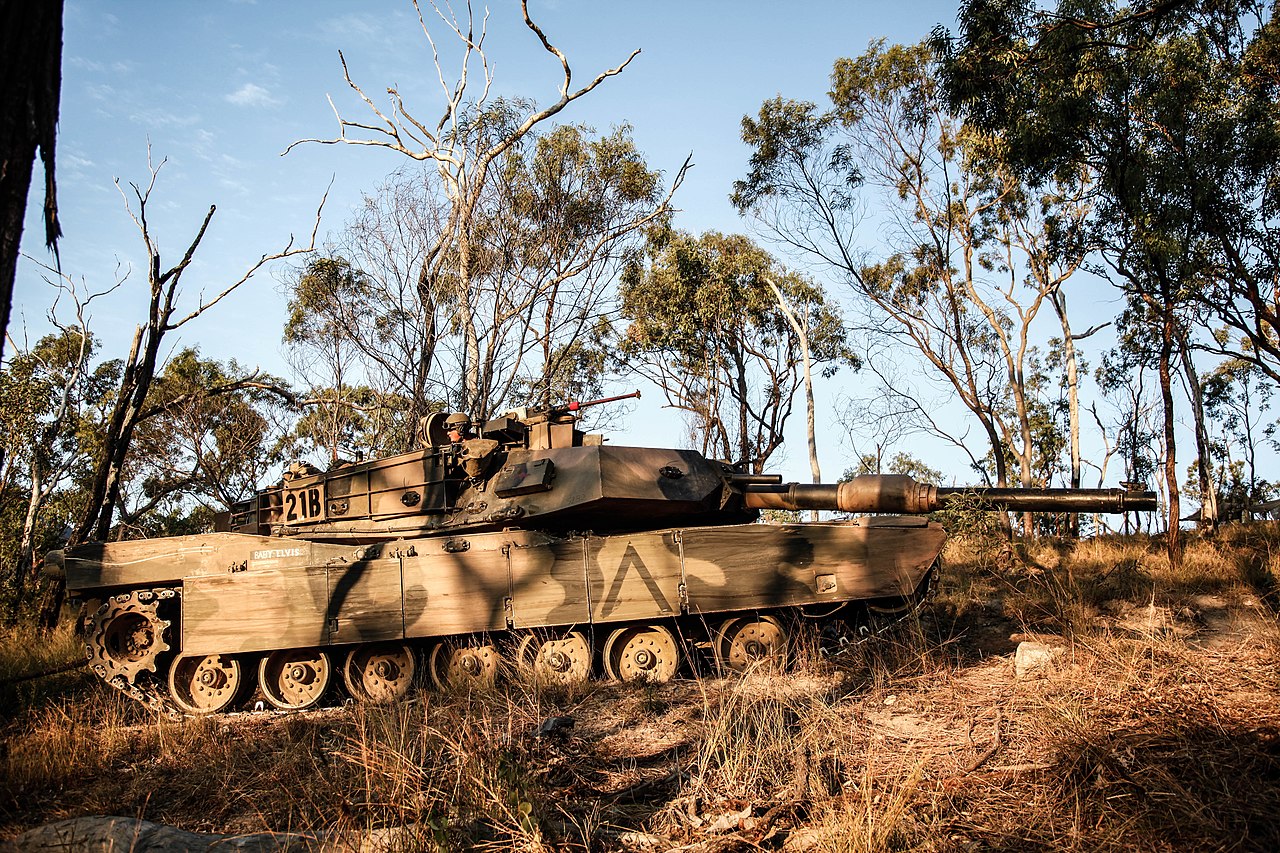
<point x="351" y="25"/>
<point x="252" y="95"/>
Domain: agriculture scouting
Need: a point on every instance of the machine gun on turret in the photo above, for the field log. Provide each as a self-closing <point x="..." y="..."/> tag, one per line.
<point x="545" y="428"/>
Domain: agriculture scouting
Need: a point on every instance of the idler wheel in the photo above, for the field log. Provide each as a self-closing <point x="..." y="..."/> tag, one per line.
<point x="464" y="664"/>
<point x="127" y="636"/>
<point x="641" y="653"/>
<point x="206" y="684"/>
<point x="380" y="672"/>
<point x="295" y="679"/>
<point x="555" y="660"/>
<point x="752" y="642"/>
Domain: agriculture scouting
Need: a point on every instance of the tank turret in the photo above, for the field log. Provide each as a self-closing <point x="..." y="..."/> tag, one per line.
<point x="526" y="541"/>
<point x="537" y="470"/>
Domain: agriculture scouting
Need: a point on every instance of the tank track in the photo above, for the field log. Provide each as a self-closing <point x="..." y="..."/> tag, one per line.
<point x="152" y="694"/>
<point x="144" y="679"/>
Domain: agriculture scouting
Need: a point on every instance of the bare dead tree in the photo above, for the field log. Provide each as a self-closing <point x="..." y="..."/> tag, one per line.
<point x="466" y="144"/>
<point x="164" y="315"/>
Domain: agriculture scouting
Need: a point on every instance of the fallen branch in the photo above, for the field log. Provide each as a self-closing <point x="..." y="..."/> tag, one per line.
<point x="991" y="750"/>
<point x="46" y="673"/>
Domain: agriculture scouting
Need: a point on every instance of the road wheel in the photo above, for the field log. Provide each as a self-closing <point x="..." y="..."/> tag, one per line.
<point x="641" y="653"/>
<point x="295" y="679"/>
<point x="464" y="664"/>
<point x="555" y="660"/>
<point x="206" y="684"/>
<point x="751" y="642"/>
<point x="380" y="672"/>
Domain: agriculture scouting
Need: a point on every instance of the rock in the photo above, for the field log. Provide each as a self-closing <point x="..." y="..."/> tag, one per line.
<point x="1032" y="657"/>
<point x="551" y="725"/>
<point x="113" y="834"/>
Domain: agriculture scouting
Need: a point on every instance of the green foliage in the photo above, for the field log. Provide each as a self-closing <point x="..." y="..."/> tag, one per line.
<point x="210" y="435"/>
<point x="703" y="323"/>
<point x="324" y="285"/>
<point x="351" y="422"/>
<point x="1170" y="112"/>
<point x="1237" y="399"/>
<point x="970" y="521"/>
<point x="52" y="406"/>
<point x="901" y="463"/>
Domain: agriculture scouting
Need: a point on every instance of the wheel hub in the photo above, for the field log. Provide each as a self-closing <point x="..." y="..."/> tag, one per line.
<point x="212" y="678"/>
<point x="471" y="664"/>
<point x="644" y="659"/>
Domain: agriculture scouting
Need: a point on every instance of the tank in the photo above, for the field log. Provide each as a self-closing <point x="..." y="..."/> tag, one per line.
<point x="528" y="545"/>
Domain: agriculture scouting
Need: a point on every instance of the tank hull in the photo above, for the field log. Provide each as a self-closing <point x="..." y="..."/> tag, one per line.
<point x="242" y="596"/>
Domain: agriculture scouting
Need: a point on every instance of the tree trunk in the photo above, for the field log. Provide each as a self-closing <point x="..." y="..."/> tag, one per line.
<point x="26" y="563"/>
<point x="31" y="68"/>
<point x="802" y="334"/>
<point x="1073" y="400"/>
<point x="1167" y="340"/>
<point x="1208" y="494"/>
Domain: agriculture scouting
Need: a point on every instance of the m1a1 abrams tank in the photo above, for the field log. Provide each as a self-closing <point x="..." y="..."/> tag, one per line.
<point x="530" y="544"/>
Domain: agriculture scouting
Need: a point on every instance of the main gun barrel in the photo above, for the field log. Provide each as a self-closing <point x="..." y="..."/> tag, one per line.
<point x="899" y="493"/>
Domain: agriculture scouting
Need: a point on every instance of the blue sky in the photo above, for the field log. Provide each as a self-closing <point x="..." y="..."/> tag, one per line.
<point x="221" y="89"/>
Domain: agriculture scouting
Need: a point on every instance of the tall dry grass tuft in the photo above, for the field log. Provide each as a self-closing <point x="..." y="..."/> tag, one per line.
<point x="748" y="747"/>
<point x="1162" y="743"/>
<point x="450" y="770"/>
<point x="56" y="745"/>
<point x="881" y="813"/>
<point x="26" y="654"/>
<point x="1253" y="551"/>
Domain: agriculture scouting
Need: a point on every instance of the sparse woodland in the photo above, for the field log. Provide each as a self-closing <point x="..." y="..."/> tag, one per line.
<point x="934" y="237"/>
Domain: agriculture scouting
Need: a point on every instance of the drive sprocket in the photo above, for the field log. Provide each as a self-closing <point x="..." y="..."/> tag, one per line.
<point x="128" y="635"/>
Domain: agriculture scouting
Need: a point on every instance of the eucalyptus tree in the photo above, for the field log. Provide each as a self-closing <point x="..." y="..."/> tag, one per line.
<point x="338" y="332"/>
<point x="51" y="402"/>
<point x="1238" y="397"/>
<point x="703" y="322"/>
<point x="1172" y="110"/>
<point x="973" y="256"/>
<point x="565" y="213"/>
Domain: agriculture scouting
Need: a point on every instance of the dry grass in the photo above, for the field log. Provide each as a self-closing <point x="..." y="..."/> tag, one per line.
<point x="1154" y="728"/>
